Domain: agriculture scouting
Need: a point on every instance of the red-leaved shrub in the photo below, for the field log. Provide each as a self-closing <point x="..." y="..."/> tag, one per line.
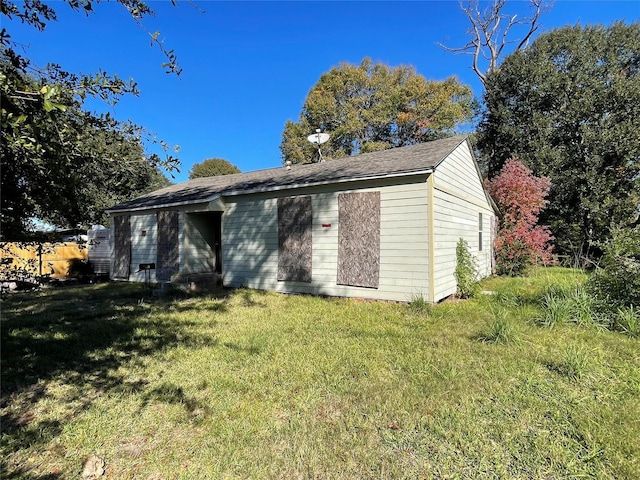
<point x="520" y="196"/>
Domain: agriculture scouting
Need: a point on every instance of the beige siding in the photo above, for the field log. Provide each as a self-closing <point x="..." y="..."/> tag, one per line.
<point x="144" y="247"/>
<point x="458" y="200"/>
<point x="197" y="255"/>
<point x="458" y="174"/>
<point x="250" y="243"/>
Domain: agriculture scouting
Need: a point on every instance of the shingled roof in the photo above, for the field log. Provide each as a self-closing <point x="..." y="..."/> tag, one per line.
<point x="402" y="161"/>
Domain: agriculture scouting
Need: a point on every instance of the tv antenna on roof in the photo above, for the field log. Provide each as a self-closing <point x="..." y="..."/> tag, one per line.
<point x="318" y="138"/>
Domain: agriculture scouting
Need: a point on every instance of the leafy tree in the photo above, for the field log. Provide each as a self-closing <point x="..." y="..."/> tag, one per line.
<point x="38" y="14"/>
<point x="212" y="167"/>
<point x="569" y="108"/>
<point x="61" y="164"/>
<point x="491" y="31"/>
<point x="374" y="107"/>
<point x="520" y="196"/>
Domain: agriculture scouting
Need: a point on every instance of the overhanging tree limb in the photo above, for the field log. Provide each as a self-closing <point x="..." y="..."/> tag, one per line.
<point x="37" y="14"/>
<point x="57" y="161"/>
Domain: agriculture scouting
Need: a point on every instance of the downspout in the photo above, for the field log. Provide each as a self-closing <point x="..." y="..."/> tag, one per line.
<point x="432" y="250"/>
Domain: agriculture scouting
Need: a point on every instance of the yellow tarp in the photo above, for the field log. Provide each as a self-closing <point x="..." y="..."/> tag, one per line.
<point x="53" y="259"/>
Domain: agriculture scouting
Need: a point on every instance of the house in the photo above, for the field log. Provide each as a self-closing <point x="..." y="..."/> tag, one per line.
<point x="381" y="225"/>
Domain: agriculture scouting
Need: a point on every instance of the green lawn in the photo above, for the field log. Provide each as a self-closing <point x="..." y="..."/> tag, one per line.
<point x="262" y="385"/>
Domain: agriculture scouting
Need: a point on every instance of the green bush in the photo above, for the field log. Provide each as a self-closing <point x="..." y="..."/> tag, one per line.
<point x="512" y="258"/>
<point x="616" y="281"/>
<point x="466" y="271"/>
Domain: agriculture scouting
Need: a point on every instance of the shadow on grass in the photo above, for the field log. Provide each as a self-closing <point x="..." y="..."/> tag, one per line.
<point x="248" y="298"/>
<point x="171" y="394"/>
<point x="22" y="473"/>
<point x="77" y="337"/>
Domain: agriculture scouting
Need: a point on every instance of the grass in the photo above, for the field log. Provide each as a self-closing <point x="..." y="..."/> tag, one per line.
<point x="627" y="320"/>
<point x="575" y="362"/>
<point x="501" y="329"/>
<point x="261" y="385"/>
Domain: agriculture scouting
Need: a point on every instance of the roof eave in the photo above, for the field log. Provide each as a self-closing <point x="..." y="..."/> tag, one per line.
<point x="165" y="205"/>
<point x="294" y="186"/>
<point x="275" y="188"/>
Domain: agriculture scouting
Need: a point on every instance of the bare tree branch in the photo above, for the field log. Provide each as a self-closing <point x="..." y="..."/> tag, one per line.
<point x="540" y="8"/>
<point x="490" y="30"/>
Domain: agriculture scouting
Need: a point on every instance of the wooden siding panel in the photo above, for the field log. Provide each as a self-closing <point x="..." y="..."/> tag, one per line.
<point x="250" y="243"/>
<point x="250" y="240"/>
<point x="168" y="245"/>
<point x="458" y="199"/>
<point x="455" y="219"/>
<point x="121" y="247"/>
<point x="143" y="245"/>
<point x="458" y="173"/>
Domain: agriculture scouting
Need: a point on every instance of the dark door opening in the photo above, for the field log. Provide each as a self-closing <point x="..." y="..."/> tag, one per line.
<point x="217" y="246"/>
<point x="206" y="229"/>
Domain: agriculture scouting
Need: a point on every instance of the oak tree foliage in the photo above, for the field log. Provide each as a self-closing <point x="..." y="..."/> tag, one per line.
<point x="372" y="106"/>
<point x="568" y="107"/>
<point x="212" y="167"/>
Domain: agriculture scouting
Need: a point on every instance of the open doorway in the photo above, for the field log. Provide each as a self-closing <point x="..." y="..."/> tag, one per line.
<point x="203" y="241"/>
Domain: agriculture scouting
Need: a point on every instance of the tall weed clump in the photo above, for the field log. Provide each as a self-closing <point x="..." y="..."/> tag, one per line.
<point x="575" y="362"/>
<point x="501" y="329"/>
<point x="627" y="320"/>
<point x="555" y="310"/>
<point x="610" y="298"/>
<point x="418" y="304"/>
<point x="575" y="306"/>
<point x="466" y="271"/>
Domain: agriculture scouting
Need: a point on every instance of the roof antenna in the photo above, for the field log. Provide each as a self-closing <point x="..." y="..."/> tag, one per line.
<point x="318" y="138"/>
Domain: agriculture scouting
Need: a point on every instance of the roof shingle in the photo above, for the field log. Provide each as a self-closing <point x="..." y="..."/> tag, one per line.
<point x="393" y="162"/>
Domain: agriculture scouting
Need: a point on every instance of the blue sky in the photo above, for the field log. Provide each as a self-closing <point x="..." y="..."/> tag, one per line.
<point x="247" y="66"/>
